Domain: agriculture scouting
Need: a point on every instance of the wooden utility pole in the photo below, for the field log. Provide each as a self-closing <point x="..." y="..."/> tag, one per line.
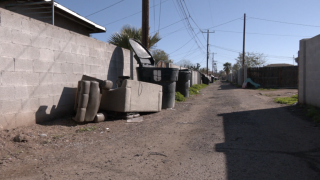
<point x="145" y="23"/>
<point x="213" y="65"/>
<point x="208" y="49"/>
<point x="244" y="43"/>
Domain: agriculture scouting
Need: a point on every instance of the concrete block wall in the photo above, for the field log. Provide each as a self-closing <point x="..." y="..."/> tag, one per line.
<point x="40" y="66"/>
<point x="309" y="74"/>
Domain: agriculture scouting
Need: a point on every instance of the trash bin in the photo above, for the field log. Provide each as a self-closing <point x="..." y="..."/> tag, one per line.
<point x="183" y="82"/>
<point x="147" y="72"/>
<point x="205" y="79"/>
<point x="212" y="79"/>
<point x="166" y="77"/>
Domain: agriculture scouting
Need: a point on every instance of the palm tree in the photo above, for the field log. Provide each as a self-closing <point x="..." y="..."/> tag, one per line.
<point x="227" y="67"/>
<point x="122" y="39"/>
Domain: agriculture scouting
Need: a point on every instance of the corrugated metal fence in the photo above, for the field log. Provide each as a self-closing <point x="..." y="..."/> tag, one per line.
<point x="275" y="77"/>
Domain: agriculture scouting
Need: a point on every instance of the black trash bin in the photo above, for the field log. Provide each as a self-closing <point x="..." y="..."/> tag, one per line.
<point x="166" y="77"/>
<point x="205" y="79"/>
<point x="212" y="79"/>
<point x="183" y="82"/>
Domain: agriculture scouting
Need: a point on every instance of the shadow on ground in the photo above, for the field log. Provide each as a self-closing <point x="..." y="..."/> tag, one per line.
<point x="226" y="86"/>
<point x="270" y="144"/>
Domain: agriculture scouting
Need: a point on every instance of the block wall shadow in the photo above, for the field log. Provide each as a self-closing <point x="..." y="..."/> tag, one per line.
<point x="65" y="108"/>
<point x="116" y="66"/>
<point x="270" y="144"/>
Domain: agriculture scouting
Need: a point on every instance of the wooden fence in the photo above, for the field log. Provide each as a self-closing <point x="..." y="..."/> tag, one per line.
<point x="275" y="77"/>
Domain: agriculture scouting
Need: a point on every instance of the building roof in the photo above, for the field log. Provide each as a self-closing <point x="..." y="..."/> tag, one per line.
<point x="43" y="10"/>
<point x="278" y="65"/>
<point x="57" y="5"/>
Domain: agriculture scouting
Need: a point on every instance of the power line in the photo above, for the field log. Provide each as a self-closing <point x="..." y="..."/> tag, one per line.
<point x="224" y="23"/>
<point x="182" y="45"/>
<point x="173" y="32"/>
<point x="168" y="25"/>
<point x="154" y="17"/>
<point x="266" y="55"/>
<point x="132" y="14"/>
<point x="210" y="11"/>
<point x="104" y="8"/>
<point x="159" y="16"/>
<point x="183" y="14"/>
<point x="285" y="22"/>
<point x="261" y="33"/>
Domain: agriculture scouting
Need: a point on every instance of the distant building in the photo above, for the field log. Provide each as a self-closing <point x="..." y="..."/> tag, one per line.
<point x="279" y="65"/>
<point x="53" y="13"/>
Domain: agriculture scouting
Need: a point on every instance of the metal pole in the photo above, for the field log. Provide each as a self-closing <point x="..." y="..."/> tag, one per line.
<point x="244" y="41"/>
<point x="145" y="23"/>
<point x="52" y="12"/>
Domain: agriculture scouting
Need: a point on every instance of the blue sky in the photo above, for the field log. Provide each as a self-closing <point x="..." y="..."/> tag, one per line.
<point x="274" y="27"/>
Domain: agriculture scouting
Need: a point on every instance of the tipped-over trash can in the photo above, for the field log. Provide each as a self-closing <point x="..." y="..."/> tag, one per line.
<point x="183" y="82"/>
<point x="166" y="77"/>
<point x="205" y="79"/>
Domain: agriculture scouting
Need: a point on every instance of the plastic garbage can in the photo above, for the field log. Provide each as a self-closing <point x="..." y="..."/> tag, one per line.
<point x="147" y="72"/>
<point x="205" y="79"/>
<point x="183" y="82"/>
<point x="166" y="77"/>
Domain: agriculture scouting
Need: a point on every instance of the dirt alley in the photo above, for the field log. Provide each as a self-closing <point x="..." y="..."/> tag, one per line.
<point x="223" y="133"/>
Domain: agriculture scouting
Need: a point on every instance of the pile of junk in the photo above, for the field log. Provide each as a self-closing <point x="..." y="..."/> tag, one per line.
<point x="154" y="90"/>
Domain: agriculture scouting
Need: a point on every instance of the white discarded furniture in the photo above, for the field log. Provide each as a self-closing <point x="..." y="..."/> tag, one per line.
<point x="132" y="96"/>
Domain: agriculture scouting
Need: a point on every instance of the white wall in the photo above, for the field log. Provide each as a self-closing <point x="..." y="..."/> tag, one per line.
<point x="309" y="74"/>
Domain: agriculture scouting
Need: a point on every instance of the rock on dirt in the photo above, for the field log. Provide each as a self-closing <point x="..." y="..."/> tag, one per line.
<point x="20" y="138"/>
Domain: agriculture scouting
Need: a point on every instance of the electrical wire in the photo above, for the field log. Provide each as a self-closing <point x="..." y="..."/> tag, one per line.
<point x="132" y="14"/>
<point x="224" y="23"/>
<point x="285" y="22"/>
<point x="154" y="17"/>
<point x="183" y="14"/>
<point x="261" y="33"/>
<point x="159" y="16"/>
<point x="173" y="32"/>
<point x="168" y="25"/>
<point x="104" y="8"/>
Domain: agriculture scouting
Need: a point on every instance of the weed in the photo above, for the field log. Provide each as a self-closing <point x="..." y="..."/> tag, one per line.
<point x="269" y="95"/>
<point x="314" y="113"/>
<point x="58" y="136"/>
<point x="84" y="129"/>
<point x="287" y="100"/>
<point x="180" y="97"/>
<point x="195" y="89"/>
<point x="266" y="89"/>
<point x="46" y="141"/>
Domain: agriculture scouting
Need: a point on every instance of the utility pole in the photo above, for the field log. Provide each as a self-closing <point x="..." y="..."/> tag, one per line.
<point x="52" y="12"/>
<point x="213" y="64"/>
<point x="145" y="23"/>
<point x="208" y="49"/>
<point x="244" y="43"/>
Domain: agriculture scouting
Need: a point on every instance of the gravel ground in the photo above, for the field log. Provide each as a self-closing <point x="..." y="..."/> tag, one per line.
<point x="222" y="133"/>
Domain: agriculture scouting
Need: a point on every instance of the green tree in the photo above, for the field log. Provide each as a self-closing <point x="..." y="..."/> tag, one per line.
<point x="203" y="70"/>
<point x="160" y="55"/>
<point x="227" y="67"/>
<point x="197" y="67"/>
<point x="251" y="60"/>
<point x="186" y="63"/>
<point x="122" y="39"/>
